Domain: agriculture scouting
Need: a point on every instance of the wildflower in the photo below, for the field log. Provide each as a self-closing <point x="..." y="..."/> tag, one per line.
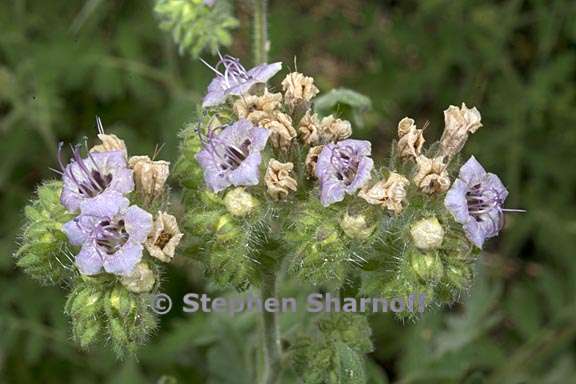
<point x="312" y="159"/>
<point x="140" y="280"/>
<point x="309" y="129"/>
<point x="410" y="140"/>
<point x="232" y="156"/>
<point x="427" y="233"/>
<point x="356" y="226"/>
<point x="110" y="142"/>
<point x="235" y="79"/>
<point x="209" y="3"/>
<point x="279" y="180"/>
<point x="280" y="126"/>
<point x="239" y="202"/>
<point x="298" y="87"/>
<point x="343" y="168"/>
<point x="333" y="129"/>
<point x="389" y="193"/>
<point x="475" y="200"/>
<point x="246" y="105"/>
<point x="150" y="176"/>
<point x="458" y="124"/>
<point x="97" y="174"/>
<point x="110" y="233"/>
<point x="431" y="175"/>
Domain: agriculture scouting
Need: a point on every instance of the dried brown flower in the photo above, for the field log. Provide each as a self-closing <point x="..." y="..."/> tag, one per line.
<point x="280" y="125"/>
<point x="389" y="193"/>
<point x="164" y="237"/>
<point x="298" y="87"/>
<point x="312" y="159"/>
<point x="248" y="104"/>
<point x="309" y="129"/>
<point x="458" y="124"/>
<point x="278" y="179"/>
<point x="149" y="176"/>
<point x="431" y="175"/>
<point x="333" y="129"/>
<point x="410" y="140"/>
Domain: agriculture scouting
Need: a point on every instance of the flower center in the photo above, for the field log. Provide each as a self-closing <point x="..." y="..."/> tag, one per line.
<point x="92" y="179"/>
<point x="345" y="163"/>
<point x="111" y="235"/>
<point x="482" y="200"/>
<point x="163" y="239"/>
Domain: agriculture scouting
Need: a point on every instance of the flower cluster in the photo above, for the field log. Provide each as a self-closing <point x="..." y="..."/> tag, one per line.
<point x="101" y="230"/>
<point x="288" y="185"/>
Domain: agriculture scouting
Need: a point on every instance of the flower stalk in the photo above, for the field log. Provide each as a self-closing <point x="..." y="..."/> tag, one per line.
<point x="271" y="336"/>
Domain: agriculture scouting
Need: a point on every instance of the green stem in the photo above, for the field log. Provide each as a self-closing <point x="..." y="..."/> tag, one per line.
<point x="261" y="43"/>
<point x="272" y="346"/>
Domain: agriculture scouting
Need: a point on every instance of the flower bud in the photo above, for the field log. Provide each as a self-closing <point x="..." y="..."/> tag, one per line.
<point x="164" y="237"/>
<point x="356" y="227"/>
<point x="140" y="280"/>
<point x="239" y="202"/>
<point x="149" y="176"/>
<point x="427" y="233"/>
<point x="427" y="266"/>
<point x="459" y="275"/>
<point x="226" y="229"/>
<point x="120" y="300"/>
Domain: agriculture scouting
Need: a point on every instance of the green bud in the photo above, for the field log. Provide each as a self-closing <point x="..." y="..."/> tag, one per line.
<point x="356" y="226"/>
<point x="239" y="202"/>
<point x="87" y="332"/>
<point x="84" y="304"/>
<point x="140" y="280"/>
<point x="427" y="266"/>
<point x="120" y="300"/>
<point x="459" y="275"/>
<point x="427" y="233"/>
<point x="225" y="229"/>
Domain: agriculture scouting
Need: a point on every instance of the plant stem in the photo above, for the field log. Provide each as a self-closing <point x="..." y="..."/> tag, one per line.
<point x="272" y="346"/>
<point x="271" y="336"/>
<point x="261" y="43"/>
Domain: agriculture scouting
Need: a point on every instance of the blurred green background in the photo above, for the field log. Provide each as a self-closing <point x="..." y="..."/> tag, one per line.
<point x="62" y="63"/>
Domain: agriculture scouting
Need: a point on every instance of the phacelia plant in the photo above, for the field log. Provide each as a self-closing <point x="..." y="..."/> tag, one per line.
<point x="102" y="231"/>
<point x="272" y="187"/>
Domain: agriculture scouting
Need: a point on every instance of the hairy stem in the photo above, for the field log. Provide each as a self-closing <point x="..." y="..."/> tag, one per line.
<point x="261" y="43"/>
<point x="272" y="346"/>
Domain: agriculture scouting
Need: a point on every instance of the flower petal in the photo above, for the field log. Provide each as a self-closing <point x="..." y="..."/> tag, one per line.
<point x="106" y="204"/>
<point x="138" y="223"/>
<point x="123" y="262"/>
<point x="455" y="201"/>
<point x="89" y="261"/>
<point x="472" y="172"/>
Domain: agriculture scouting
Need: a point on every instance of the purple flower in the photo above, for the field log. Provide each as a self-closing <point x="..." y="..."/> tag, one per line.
<point x="232" y="157"/>
<point x="343" y="167"/>
<point x="111" y="234"/>
<point x="475" y="200"/>
<point x="235" y="79"/>
<point x="99" y="173"/>
<point x="209" y="3"/>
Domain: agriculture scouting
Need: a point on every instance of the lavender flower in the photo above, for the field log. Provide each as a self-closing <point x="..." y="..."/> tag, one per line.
<point x="475" y="200"/>
<point x="111" y="234"/>
<point x="343" y="168"/>
<point x="232" y="157"/>
<point x="235" y="79"/>
<point x="99" y="173"/>
<point x="209" y="3"/>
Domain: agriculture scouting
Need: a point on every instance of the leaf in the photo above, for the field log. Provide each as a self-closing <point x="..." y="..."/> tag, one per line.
<point x="343" y="101"/>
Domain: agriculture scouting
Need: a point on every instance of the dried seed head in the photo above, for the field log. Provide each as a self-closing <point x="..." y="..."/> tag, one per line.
<point x="298" y="87"/>
<point x="431" y="175"/>
<point x="427" y="233"/>
<point x="333" y="129"/>
<point x="280" y="126"/>
<point x="458" y="124"/>
<point x="279" y="180"/>
<point x="312" y="159"/>
<point x="410" y="140"/>
<point x="164" y="237"/>
<point x="239" y="202"/>
<point x="140" y="280"/>
<point x="149" y="176"/>
<point x="309" y="129"/>
<point x="389" y="193"/>
<point x="356" y="226"/>
<point x="245" y="105"/>
<point x="110" y="143"/>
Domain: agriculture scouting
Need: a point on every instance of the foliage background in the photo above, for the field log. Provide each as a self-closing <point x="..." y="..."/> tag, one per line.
<point x="62" y="63"/>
